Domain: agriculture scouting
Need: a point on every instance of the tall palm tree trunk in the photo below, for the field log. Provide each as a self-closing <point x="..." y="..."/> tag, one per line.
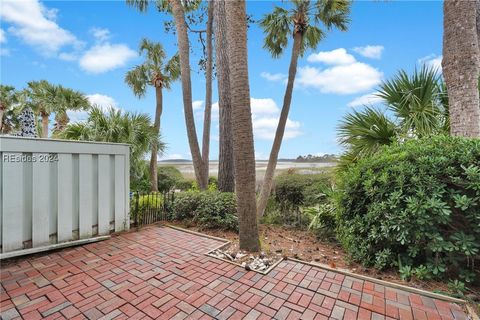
<point x="2" y="111"/>
<point x="461" y="66"/>
<point x="226" y="178"/>
<point x="184" y="55"/>
<point x="277" y="142"/>
<point x="243" y="147"/>
<point x="44" y="125"/>
<point x="156" y="126"/>
<point x="208" y="96"/>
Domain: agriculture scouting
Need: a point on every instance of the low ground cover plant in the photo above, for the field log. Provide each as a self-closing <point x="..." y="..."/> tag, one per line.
<point x="415" y="206"/>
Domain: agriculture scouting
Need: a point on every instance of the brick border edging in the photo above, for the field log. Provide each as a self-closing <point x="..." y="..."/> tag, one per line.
<point x="341" y="271"/>
<point x="226" y="242"/>
<point x="383" y="282"/>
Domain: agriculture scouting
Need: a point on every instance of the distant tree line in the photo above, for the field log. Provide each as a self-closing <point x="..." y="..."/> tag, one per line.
<point x="312" y="158"/>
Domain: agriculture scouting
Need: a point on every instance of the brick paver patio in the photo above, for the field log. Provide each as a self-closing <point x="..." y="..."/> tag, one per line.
<point x="163" y="273"/>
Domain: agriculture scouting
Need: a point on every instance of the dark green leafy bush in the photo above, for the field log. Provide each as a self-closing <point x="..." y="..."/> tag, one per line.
<point x="415" y="206"/>
<point x="168" y="178"/>
<point x="211" y="209"/>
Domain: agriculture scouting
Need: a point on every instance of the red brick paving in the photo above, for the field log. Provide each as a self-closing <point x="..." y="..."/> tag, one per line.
<point x="163" y="273"/>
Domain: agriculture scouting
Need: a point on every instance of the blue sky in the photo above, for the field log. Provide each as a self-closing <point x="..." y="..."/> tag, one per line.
<point x="89" y="46"/>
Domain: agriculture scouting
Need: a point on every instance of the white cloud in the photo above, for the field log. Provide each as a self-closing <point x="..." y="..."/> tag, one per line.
<point x="432" y="61"/>
<point x="343" y="79"/>
<point x="273" y="76"/>
<point x="100" y="100"/>
<point x="35" y="25"/>
<point x="265" y="115"/>
<point x="106" y="57"/>
<point x="373" y="52"/>
<point x="263" y="106"/>
<point x="335" y="57"/>
<point x="197" y="105"/>
<point x="103" y="101"/>
<point x="367" y="99"/>
<point x="100" y="34"/>
<point x="265" y="128"/>
<point x="77" y="116"/>
<point x="343" y="75"/>
<point x="3" y="37"/>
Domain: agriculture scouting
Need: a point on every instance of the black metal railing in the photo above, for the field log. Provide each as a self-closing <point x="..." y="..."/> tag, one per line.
<point x="148" y="208"/>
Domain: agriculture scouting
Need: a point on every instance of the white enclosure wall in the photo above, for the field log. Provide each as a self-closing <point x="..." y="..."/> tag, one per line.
<point x="57" y="191"/>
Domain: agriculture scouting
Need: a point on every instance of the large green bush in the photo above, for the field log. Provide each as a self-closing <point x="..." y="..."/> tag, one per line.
<point x="210" y="209"/>
<point x="415" y="206"/>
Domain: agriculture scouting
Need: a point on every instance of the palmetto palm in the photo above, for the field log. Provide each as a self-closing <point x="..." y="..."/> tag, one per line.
<point x="302" y="21"/>
<point x="43" y="98"/>
<point x="68" y="99"/>
<point x="417" y="101"/>
<point x="158" y="73"/>
<point x="364" y="132"/>
<point x="418" y="104"/>
<point x="116" y="126"/>
<point x="8" y="99"/>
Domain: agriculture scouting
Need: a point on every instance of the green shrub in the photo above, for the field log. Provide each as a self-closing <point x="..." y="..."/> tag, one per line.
<point x="292" y="191"/>
<point x="153" y="200"/>
<point x="301" y="189"/>
<point x="415" y="206"/>
<point x="210" y="209"/>
<point x="186" y="204"/>
<point x="167" y="178"/>
<point x="185" y="184"/>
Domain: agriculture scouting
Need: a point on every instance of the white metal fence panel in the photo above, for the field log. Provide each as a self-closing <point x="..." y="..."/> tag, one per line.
<point x="58" y="191"/>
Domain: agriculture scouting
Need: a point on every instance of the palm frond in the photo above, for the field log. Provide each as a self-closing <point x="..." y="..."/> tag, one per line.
<point x="277" y="29"/>
<point x="415" y="100"/>
<point x="137" y="79"/>
<point x="333" y="13"/>
<point x="364" y="132"/>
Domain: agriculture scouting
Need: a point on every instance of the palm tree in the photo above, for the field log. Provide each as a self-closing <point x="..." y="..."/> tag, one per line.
<point x="117" y="126"/>
<point x="226" y="178"/>
<point x="243" y="148"/>
<point x="43" y="97"/>
<point x="158" y="73"/>
<point x="208" y="94"/>
<point x="418" y="104"/>
<point x="416" y="101"/>
<point x="8" y="100"/>
<point x="461" y="65"/>
<point x="301" y="22"/>
<point x="68" y="99"/>
<point x="176" y="7"/>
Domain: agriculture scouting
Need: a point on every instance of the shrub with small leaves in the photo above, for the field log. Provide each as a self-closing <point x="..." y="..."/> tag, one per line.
<point x="419" y="202"/>
<point x="210" y="209"/>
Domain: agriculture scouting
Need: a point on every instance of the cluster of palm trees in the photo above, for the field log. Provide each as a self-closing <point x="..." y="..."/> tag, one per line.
<point x="114" y="125"/>
<point x="44" y="99"/>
